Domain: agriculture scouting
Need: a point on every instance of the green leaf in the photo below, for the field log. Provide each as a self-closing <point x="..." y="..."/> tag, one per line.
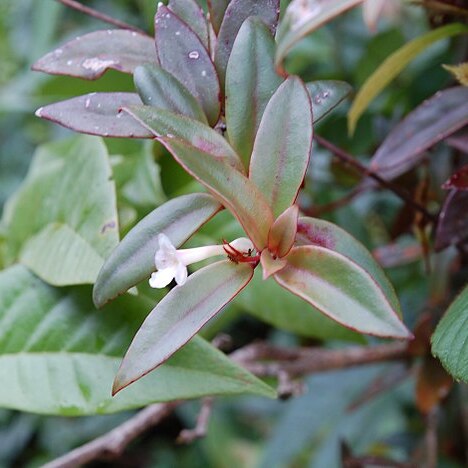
<point x="58" y="355"/>
<point x="89" y="56"/>
<point x="342" y="290"/>
<point x="96" y="114"/>
<point x="393" y="65"/>
<point x="158" y="88"/>
<point x="450" y="340"/>
<point x="325" y="95"/>
<point x="269" y="302"/>
<point x="251" y="80"/>
<point x="164" y="123"/>
<point x="62" y="223"/>
<point x="313" y="231"/>
<point x="217" y="8"/>
<point x="229" y="186"/>
<point x="133" y="260"/>
<point x="190" y="12"/>
<point x="431" y="122"/>
<point x="182" y="54"/>
<point x="282" y="147"/>
<point x="303" y="17"/>
<point x="179" y="316"/>
<point x="236" y="13"/>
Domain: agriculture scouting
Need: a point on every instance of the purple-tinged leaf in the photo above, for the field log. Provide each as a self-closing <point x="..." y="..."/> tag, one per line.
<point x="452" y="228"/>
<point x="97" y="114"/>
<point x="158" y="88"/>
<point x="313" y="231"/>
<point x="251" y="80"/>
<point x="133" y="259"/>
<point x="89" y="56"/>
<point x="326" y="95"/>
<point x="282" y="147"/>
<point x="459" y="180"/>
<point x="179" y="316"/>
<point x="340" y="289"/>
<point x="229" y="186"/>
<point x="217" y="8"/>
<point x="164" y="123"/>
<point x="304" y="16"/>
<point x="283" y="232"/>
<point x="182" y="54"/>
<point x="190" y="12"/>
<point x="236" y="13"/>
<point x="431" y="122"/>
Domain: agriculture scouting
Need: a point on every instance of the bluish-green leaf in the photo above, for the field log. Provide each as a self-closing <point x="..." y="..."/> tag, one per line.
<point x="190" y="12"/>
<point x="340" y="289"/>
<point x="158" y="88"/>
<point x="59" y="356"/>
<point x="282" y="147"/>
<point x="179" y="316"/>
<point x="182" y="54"/>
<point x="251" y="80"/>
<point x="62" y="223"/>
<point x="133" y="260"/>
<point x="217" y="8"/>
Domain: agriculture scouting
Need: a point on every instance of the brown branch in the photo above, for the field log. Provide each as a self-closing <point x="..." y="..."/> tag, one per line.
<point x="303" y="361"/>
<point x="431" y="445"/>
<point x="75" y="5"/>
<point x="187" y="436"/>
<point x="114" y="442"/>
<point x="365" y="171"/>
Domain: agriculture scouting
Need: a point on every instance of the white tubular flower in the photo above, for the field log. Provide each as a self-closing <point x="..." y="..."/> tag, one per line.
<point x="172" y="263"/>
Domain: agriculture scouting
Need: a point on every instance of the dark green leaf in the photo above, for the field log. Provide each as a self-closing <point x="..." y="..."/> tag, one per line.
<point x="133" y="260"/>
<point x="450" y="340"/>
<point x="190" y="12"/>
<point x="182" y="54"/>
<point x="217" y="8"/>
<point x="282" y="147"/>
<point x="89" y="56"/>
<point x="251" y="80"/>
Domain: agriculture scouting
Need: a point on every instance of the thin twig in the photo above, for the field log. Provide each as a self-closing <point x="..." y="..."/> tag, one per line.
<point x="187" y="436"/>
<point x="351" y="161"/>
<point x="114" y="442"/>
<point x="100" y="16"/>
<point x="431" y="446"/>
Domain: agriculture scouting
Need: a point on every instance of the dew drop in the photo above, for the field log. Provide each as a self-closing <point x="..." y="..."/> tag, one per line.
<point x="119" y="115"/>
<point x="58" y="52"/>
<point x="194" y="54"/>
<point x="87" y="103"/>
<point x="109" y="31"/>
<point x="168" y="15"/>
<point x="203" y="73"/>
<point x="177" y="33"/>
<point x="134" y="34"/>
<point x="326" y="94"/>
<point x="70" y="62"/>
<point x="150" y="98"/>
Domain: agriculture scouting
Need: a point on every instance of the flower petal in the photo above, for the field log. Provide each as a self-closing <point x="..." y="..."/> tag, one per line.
<point x="162" y="278"/>
<point x="181" y="274"/>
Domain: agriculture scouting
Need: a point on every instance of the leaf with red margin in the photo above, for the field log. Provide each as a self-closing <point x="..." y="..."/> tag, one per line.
<point x="283" y="232"/>
<point x="179" y="316"/>
<point x="236" y="13"/>
<point x="313" y="231"/>
<point x="182" y="54"/>
<point x="271" y="265"/>
<point x="229" y="186"/>
<point x="282" y="146"/>
<point x="133" y="259"/>
<point x="340" y="289"/>
<point x="163" y="123"/>
<point x="431" y="122"/>
<point x="89" y="56"/>
<point x="452" y="227"/>
<point x="459" y="180"/>
<point x="97" y="114"/>
<point x="190" y="12"/>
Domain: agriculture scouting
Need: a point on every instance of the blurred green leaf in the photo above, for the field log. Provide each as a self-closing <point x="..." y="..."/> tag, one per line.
<point x="251" y="80"/>
<point x="325" y="95"/>
<point x="451" y="337"/>
<point x="62" y="223"/>
<point x="393" y="65"/>
<point x="59" y="355"/>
